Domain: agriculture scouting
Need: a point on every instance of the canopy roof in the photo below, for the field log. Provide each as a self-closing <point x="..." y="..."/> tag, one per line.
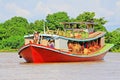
<point x="82" y="40"/>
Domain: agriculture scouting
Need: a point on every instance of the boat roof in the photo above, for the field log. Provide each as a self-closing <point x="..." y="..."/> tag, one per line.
<point x="82" y="40"/>
<point x="47" y="35"/>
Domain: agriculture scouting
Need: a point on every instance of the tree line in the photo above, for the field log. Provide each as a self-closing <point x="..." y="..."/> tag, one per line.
<point x="12" y="31"/>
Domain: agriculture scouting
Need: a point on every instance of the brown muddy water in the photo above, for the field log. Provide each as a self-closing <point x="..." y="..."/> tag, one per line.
<point x="14" y="68"/>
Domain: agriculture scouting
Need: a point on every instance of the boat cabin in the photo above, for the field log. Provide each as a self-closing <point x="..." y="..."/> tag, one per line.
<point x="78" y="46"/>
<point x="84" y="39"/>
<point x="79" y="26"/>
<point x="78" y="38"/>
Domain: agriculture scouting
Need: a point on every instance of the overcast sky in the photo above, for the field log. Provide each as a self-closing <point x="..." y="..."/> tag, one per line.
<point x="38" y="9"/>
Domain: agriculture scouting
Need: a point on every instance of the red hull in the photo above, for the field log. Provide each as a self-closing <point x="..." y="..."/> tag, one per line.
<point x="38" y="54"/>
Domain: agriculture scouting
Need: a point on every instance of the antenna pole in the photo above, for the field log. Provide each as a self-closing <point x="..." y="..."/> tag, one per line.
<point x="44" y="27"/>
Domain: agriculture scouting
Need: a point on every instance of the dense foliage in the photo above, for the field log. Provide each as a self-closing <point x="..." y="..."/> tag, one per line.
<point x="90" y="16"/>
<point x="53" y="20"/>
<point x="13" y="30"/>
<point x="113" y="37"/>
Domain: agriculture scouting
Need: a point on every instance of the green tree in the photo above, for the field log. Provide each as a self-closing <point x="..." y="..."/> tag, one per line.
<point x="13" y="42"/>
<point x="2" y="32"/>
<point x="86" y="16"/>
<point x="16" y="26"/>
<point x="113" y="37"/>
<point x="100" y="24"/>
<point x="53" y="20"/>
<point x="38" y="25"/>
<point x="11" y="31"/>
<point x="90" y="17"/>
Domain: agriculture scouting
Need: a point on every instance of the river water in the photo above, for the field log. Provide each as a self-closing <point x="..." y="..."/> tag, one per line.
<point x="14" y="68"/>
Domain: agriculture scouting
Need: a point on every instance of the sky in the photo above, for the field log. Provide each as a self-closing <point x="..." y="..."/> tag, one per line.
<point x="38" y="9"/>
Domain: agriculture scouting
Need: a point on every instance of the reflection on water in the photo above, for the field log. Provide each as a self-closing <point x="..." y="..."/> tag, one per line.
<point x="14" y="68"/>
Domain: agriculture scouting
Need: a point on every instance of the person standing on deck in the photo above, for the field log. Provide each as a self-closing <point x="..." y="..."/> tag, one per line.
<point x="36" y="37"/>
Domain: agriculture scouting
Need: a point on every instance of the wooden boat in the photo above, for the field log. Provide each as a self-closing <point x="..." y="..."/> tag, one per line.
<point x="66" y="47"/>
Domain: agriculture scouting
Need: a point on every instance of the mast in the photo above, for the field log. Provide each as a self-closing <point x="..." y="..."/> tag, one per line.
<point x="44" y="27"/>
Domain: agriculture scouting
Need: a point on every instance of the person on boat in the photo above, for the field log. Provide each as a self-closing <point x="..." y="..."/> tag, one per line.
<point x="81" y="48"/>
<point x="76" y="48"/>
<point x="36" y="37"/>
<point x="92" y="48"/>
<point x="96" y="45"/>
<point x="86" y="50"/>
<point x="51" y="43"/>
<point x="70" y="46"/>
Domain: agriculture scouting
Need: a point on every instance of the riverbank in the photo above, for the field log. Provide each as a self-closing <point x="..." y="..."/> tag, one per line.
<point x="8" y="50"/>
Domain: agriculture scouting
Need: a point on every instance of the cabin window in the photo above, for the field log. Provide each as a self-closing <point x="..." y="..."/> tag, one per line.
<point x="47" y="41"/>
